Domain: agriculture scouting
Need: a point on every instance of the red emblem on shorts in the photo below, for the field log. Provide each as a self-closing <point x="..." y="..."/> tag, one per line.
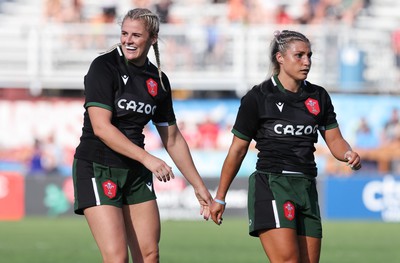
<point x="110" y="188"/>
<point x="152" y="87"/>
<point x="289" y="210"/>
<point x="312" y="106"/>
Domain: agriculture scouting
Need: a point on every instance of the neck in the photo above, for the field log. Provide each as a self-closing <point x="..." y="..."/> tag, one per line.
<point x="289" y="83"/>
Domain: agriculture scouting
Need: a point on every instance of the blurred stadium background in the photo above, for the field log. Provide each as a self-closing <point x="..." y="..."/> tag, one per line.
<point x="213" y="52"/>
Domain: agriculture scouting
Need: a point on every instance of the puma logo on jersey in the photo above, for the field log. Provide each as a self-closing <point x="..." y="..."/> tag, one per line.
<point x="280" y="105"/>
<point x="125" y="78"/>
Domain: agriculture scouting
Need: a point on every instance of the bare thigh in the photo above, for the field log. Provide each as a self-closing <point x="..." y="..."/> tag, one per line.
<point x="280" y="245"/>
<point x="310" y="249"/>
<point x="108" y="229"/>
<point x="284" y="245"/>
<point x="143" y="231"/>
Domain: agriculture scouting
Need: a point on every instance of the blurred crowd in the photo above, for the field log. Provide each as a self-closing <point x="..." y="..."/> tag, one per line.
<point x="379" y="147"/>
<point x="232" y="11"/>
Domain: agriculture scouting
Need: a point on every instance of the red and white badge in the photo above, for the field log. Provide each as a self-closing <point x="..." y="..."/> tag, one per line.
<point x="110" y="189"/>
<point x="312" y="106"/>
<point x="289" y="210"/>
<point x="152" y="87"/>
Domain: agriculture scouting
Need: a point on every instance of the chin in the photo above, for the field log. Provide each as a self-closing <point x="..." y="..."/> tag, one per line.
<point x="303" y="77"/>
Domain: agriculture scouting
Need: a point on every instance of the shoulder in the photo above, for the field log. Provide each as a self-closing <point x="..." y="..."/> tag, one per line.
<point x="262" y="88"/>
<point x="257" y="95"/>
<point x="313" y="88"/>
<point x="108" y="58"/>
<point x="153" y="69"/>
<point x="259" y="92"/>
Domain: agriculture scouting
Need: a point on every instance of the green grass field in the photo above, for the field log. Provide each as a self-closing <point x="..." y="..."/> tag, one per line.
<point x="68" y="239"/>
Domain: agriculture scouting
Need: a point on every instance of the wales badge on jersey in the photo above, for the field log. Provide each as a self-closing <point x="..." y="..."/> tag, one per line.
<point x="312" y="106"/>
<point x="152" y="87"/>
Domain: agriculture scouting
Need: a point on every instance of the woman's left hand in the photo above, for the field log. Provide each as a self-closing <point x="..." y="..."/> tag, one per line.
<point x="353" y="160"/>
<point x="205" y="199"/>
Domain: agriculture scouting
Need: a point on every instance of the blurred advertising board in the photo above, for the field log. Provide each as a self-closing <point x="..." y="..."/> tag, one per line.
<point x="363" y="198"/>
<point x="53" y="196"/>
<point x="12" y="205"/>
<point x="341" y="198"/>
<point x="49" y="195"/>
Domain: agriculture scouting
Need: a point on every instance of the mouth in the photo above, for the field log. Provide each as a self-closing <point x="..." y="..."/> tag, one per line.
<point x="130" y="48"/>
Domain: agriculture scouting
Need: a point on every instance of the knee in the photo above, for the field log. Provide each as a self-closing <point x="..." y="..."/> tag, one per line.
<point x="152" y="256"/>
<point x="148" y="255"/>
<point x="115" y="257"/>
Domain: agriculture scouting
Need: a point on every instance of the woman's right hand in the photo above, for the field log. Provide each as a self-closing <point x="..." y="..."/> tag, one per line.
<point x="217" y="211"/>
<point x="161" y="170"/>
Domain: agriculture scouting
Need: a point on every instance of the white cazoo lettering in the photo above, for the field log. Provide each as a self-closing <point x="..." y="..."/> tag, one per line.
<point x="295" y="130"/>
<point x="139" y="107"/>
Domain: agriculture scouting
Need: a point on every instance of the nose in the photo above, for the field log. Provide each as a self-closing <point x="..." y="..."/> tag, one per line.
<point x="129" y="39"/>
<point x="307" y="61"/>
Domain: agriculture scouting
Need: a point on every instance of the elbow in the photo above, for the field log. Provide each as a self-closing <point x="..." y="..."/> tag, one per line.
<point x="242" y="154"/>
<point x="99" y="132"/>
<point x="239" y="153"/>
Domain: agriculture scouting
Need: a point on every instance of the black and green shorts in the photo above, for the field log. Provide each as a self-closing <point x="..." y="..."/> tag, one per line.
<point x="283" y="201"/>
<point x="96" y="184"/>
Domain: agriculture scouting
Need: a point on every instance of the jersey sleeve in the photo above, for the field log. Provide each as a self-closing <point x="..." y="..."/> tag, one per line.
<point x="99" y="85"/>
<point x="246" y="124"/>
<point x="329" y="120"/>
<point x="164" y="114"/>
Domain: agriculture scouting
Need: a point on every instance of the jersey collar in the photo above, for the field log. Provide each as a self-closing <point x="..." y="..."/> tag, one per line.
<point x="275" y="80"/>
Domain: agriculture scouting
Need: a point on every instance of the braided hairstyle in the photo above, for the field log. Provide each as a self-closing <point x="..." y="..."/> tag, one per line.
<point x="281" y="42"/>
<point x="152" y="24"/>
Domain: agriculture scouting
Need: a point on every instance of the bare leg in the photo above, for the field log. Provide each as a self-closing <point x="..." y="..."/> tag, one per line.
<point x="143" y="231"/>
<point x="310" y="249"/>
<point x="108" y="229"/>
<point x="280" y="245"/>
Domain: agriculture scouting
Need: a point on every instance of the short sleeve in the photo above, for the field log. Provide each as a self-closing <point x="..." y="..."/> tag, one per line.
<point x="247" y="119"/>
<point x="99" y="83"/>
<point x="329" y="121"/>
<point x="164" y="115"/>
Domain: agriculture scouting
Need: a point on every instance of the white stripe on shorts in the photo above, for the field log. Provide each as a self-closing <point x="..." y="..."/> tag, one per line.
<point x="277" y="222"/>
<point x="96" y="193"/>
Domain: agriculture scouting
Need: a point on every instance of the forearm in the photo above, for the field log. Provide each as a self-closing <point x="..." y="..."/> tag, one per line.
<point x="339" y="148"/>
<point x="118" y="142"/>
<point x="229" y="171"/>
<point x="112" y="136"/>
<point x="337" y="145"/>
<point x="181" y="156"/>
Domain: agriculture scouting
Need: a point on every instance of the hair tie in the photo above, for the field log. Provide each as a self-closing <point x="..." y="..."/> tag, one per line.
<point x="277" y="33"/>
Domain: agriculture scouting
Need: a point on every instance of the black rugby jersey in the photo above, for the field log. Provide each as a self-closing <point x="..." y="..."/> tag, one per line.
<point x="133" y="94"/>
<point x="285" y="124"/>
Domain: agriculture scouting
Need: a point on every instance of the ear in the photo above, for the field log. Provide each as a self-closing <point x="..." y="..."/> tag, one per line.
<point x="279" y="57"/>
<point x="154" y="39"/>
